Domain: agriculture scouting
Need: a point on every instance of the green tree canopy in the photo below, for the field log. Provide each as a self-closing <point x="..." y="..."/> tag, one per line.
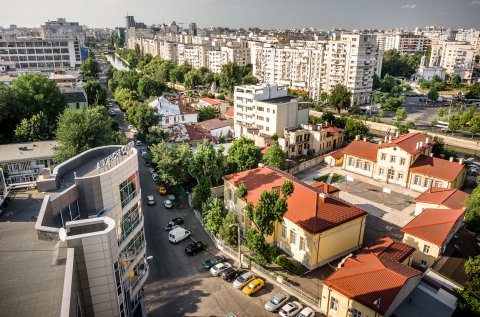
<point x="243" y="155"/>
<point x="340" y="98"/>
<point x="214" y="212"/>
<point x="355" y="127"/>
<point x="401" y="114"/>
<point x="171" y="163"/>
<point x="201" y="193"/>
<point x="207" y="113"/>
<point x="193" y="79"/>
<point x="275" y="157"/>
<point x="230" y="76"/>
<point x="472" y="215"/>
<point x="468" y="303"/>
<point x="228" y="230"/>
<point x="124" y="97"/>
<point x="150" y="87"/>
<point x="473" y="92"/>
<point x="433" y="94"/>
<point x="207" y="164"/>
<point x="96" y="95"/>
<point x="36" y="128"/>
<point x="80" y="130"/>
<point x="11" y="112"/>
<point x="142" y="116"/>
<point x="456" y="81"/>
<point x="90" y="67"/>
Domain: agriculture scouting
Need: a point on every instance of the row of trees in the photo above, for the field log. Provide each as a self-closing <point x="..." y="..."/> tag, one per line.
<point x="468" y="120"/>
<point x="401" y="65"/>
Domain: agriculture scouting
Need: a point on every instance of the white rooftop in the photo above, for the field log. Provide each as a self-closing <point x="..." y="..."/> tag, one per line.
<point x="165" y="107"/>
<point x="26" y="151"/>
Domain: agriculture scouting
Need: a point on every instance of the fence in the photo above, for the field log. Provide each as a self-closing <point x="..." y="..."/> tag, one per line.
<point x="306" y="165"/>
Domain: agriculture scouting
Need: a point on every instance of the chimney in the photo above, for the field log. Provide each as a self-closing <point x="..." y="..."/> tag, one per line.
<point x="322" y="195"/>
<point x="420" y="144"/>
<point x="364" y="139"/>
<point x="386" y="139"/>
<point x="431" y="155"/>
<point x="460" y="161"/>
<point x="427" y="140"/>
<point x="261" y="165"/>
<point x="389" y="139"/>
<point x="397" y="134"/>
<point x="451" y="159"/>
<point x="357" y="137"/>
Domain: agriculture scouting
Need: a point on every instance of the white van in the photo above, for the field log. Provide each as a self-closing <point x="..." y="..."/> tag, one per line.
<point x="178" y="234"/>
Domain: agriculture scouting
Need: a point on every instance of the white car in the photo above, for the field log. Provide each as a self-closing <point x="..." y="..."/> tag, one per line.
<point x="291" y="309"/>
<point x="152" y="170"/>
<point x="154" y="176"/>
<point x="138" y="143"/>
<point x="306" y="312"/>
<point x="243" y="280"/>
<point x="276" y="301"/>
<point x="168" y="203"/>
<point x="217" y="269"/>
<point x="150" y="200"/>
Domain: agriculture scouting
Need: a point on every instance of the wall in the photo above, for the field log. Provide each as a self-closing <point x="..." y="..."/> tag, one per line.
<point x="306" y="165"/>
<point x="354" y="169"/>
<point x="343" y="304"/>
<point x="72" y="297"/>
<point x="420" y="206"/>
<point x="399" y="154"/>
<point x="418" y="255"/>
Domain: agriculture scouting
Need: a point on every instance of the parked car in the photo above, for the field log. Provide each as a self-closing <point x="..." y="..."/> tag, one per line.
<point x="213" y="261"/>
<point x="168" y="203"/>
<point x="138" y="143"/>
<point x="306" y="312"/>
<point x="218" y="268"/>
<point x="150" y="200"/>
<point x="178" y="234"/>
<point x="154" y="176"/>
<point x="243" y="280"/>
<point x="112" y="113"/>
<point x="253" y="286"/>
<point x="276" y="302"/>
<point x="291" y="309"/>
<point x="151" y="170"/>
<point x="172" y="223"/>
<point x="161" y="190"/>
<point x="230" y="274"/>
<point x="195" y="247"/>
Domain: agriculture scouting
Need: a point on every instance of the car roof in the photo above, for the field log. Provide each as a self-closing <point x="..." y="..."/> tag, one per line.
<point x="307" y="310"/>
<point x="150" y="197"/>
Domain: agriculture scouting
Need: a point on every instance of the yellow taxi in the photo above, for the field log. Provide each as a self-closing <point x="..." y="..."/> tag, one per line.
<point x="161" y="190"/>
<point x="253" y="286"/>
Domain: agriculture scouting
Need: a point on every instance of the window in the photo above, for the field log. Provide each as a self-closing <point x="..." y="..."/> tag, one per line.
<point x="356" y="313"/>
<point x="400" y="176"/>
<point x="260" y="108"/>
<point x="438" y="184"/>
<point x="284" y="232"/>
<point x="359" y="163"/>
<point x="393" y="158"/>
<point x="230" y="194"/>
<point x="423" y="262"/>
<point x="334" y="304"/>
<point x="402" y="161"/>
<point x="391" y="173"/>
<point x="293" y="236"/>
<point x="130" y="221"/>
<point x="427" y="183"/>
<point x="417" y="180"/>
<point x="302" y="243"/>
<point x="384" y="157"/>
<point x="426" y="248"/>
<point x="381" y="172"/>
<point x="129" y="189"/>
<point x="351" y="161"/>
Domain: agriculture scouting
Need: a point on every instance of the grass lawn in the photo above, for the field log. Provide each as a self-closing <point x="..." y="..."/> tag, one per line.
<point x="337" y="178"/>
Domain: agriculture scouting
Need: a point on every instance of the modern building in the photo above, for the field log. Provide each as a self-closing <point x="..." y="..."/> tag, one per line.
<point x="171" y="113"/>
<point x="92" y="208"/>
<point x="434" y="197"/>
<point x="305" y="139"/>
<point x="456" y="57"/>
<point x="430" y="232"/>
<point x="61" y="29"/>
<point x="407" y="43"/>
<point x="24" y="162"/>
<point x="317" y="227"/>
<point x="267" y="109"/>
<point x="406" y="160"/>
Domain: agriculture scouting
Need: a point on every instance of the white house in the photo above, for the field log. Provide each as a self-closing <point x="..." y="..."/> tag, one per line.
<point x="171" y="113"/>
<point x="218" y="128"/>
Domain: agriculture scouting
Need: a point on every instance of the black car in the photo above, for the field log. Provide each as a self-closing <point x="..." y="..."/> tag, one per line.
<point x="172" y="223"/>
<point x="213" y="261"/>
<point x="229" y="274"/>
<point x="195" y="247"/>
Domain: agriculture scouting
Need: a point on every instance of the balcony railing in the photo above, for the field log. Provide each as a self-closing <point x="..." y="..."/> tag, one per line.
<point x="130" y="230"/>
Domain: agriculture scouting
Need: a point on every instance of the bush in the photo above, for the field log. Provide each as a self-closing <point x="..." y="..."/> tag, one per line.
<point x="288" y="265"/>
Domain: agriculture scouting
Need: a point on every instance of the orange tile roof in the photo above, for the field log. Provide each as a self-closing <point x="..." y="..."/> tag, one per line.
<point x="408" y="142"/>
<point x="449" y="197"/>
<point x="324" y="187"/>
<point x="391" y="249"/>
<point x="368" y="277"/>
<point x="305" y="207"/>
<point x="433" y="225"/>
<point x="229" y="114"/>
<point x="362" y="149"/>
<point x="436" y="167"/>
<point x="213" y="124"/>
<point x="211" y="101"/>
<point x="338" y="154"/>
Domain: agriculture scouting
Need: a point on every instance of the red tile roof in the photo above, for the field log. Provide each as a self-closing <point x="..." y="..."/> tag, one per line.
<point x="368" y="277"/>
<point x="408" y="142"/>
<point x="433" y="225"/>
<point x="213" y="124"/>
<point x="436" y="167"/>
<point x="449" y="197"/>
<point x="338" y="154"/>
<point x="362" y="149"/>
<point x="324" y="187"/>
<point x="391" y="249"/>
<point x="197" y="133"/>
<point x="230" y="113"/>
<point x="305" y="207"/>
<point x="213" y="102"/>
<point x="332" y="130"/>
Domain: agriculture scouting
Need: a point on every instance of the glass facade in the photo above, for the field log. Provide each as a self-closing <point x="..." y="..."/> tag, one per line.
<point x="129" y="189"/>
<point x="132" y="249"/>
<point x="130" y="221"/>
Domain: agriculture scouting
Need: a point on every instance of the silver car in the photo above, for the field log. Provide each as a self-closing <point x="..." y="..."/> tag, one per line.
<point x="243" y="280"/>
<point x="276" y="301"/>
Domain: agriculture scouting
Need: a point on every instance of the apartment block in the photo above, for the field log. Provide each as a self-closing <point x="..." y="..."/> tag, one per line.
<point x="266" y="110"/>
<point x="407" y="43"/>
<point x="456" y="57"/>
<point x="92" y="208"/>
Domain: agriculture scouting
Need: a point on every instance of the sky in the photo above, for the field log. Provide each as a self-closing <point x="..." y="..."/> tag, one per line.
<point x="348" y="14"/>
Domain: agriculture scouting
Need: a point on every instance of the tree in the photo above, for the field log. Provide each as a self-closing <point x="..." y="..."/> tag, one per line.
<point x="440" y="150"/>
<point x="243" y="155"/>
<point x="171" y="162"/>
<point x="275" y="157"/>
<point x="214" y="212"/>
<point x="400" y="65"/>
<point x="90" y="67"/>
<point x="433" y="94"/>
<point x="472" y="214"/>
<point x="37" y="93"/>
<point x="454" y="123"/>
<point x="376" y="82"/>
<point x="155" y="135"/>
<point x="256" y="242"/>
<point x="340" y="98"/>
<point x="474" y="125"/>
<point x="229" y="230"/>
<point x="124" y="96"/>
<point x="355" y="127"/>
<point x="241" y="191"/>
<point x="442" y="111"/>
<point x="96" y="95"/>
<point x="149" y="87"/>
<point x="323" y="96"/>
<point x="10" y="112"/>
<point x="80" y="130"/>
<point x="36" y="128"/>
<point x="230" y="76"/>
<point x="207" y="164"/>
<point x="468" y="303"/>
<point x="201" y="193"/>
<point x="328" y="117"/>
<point x="473" y="92"/>
<point x="249" y="80"/>
<point x="142" y="116"/>
<point x="193" y="79"/>
<point x="401" y="114"/>
<point x="456" y="81"/>
<point x="207" y="113"/>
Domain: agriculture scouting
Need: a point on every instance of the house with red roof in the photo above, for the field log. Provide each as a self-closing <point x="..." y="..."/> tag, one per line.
<point x="368" y="284"/>
<point x="392" y="249"/>
<point x="436" y="197"/>
<point x="220" y="105"/>
<point x="405" y="160"/>
<point x="316" y="229"/>
<point x="430" y="232"/>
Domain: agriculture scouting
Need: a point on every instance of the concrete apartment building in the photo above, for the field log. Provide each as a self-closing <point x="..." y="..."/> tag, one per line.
<point x="24" y="162"/>
<point x="456" y="57"/>
<point x="266" y="110"/>
<point x="92" y="209"/>
<point x="407" y="43"/>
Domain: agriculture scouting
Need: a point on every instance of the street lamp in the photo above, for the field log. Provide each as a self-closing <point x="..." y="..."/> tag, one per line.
<point x="239" y="243"/>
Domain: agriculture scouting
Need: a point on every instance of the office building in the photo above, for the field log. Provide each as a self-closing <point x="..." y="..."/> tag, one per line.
<point x="407" y="43"/>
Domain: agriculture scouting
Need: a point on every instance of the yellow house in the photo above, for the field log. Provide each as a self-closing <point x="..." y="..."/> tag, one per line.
<point x="367" y="284"/>
<point x="435" y="197"/>
<point x="430" y="232"/>
<point x="334" y="158"/>
<point x="317" y="227"/>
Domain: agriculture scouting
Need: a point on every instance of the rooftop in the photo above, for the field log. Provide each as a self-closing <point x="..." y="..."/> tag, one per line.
<point x="436" y="167"/>
<point x="74" y="96"/>
<point x="279" y="100"/>
<point x="27" y="151"/>
<point x="213" y="102"/>
<point x="433" y="225"/>
<point x="307" y="206"/>
<point x="367" y="277"/>
<point x="410" y="142"/>
<point x="449" y="197"/>
<point x="391" y="249"/>
<point x="213" y="124"/>
<point x="362" y="149"/>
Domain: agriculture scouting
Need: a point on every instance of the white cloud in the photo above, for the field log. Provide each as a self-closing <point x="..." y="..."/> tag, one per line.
<point x="413" y="6"/>
<point x="476" y="2"/>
